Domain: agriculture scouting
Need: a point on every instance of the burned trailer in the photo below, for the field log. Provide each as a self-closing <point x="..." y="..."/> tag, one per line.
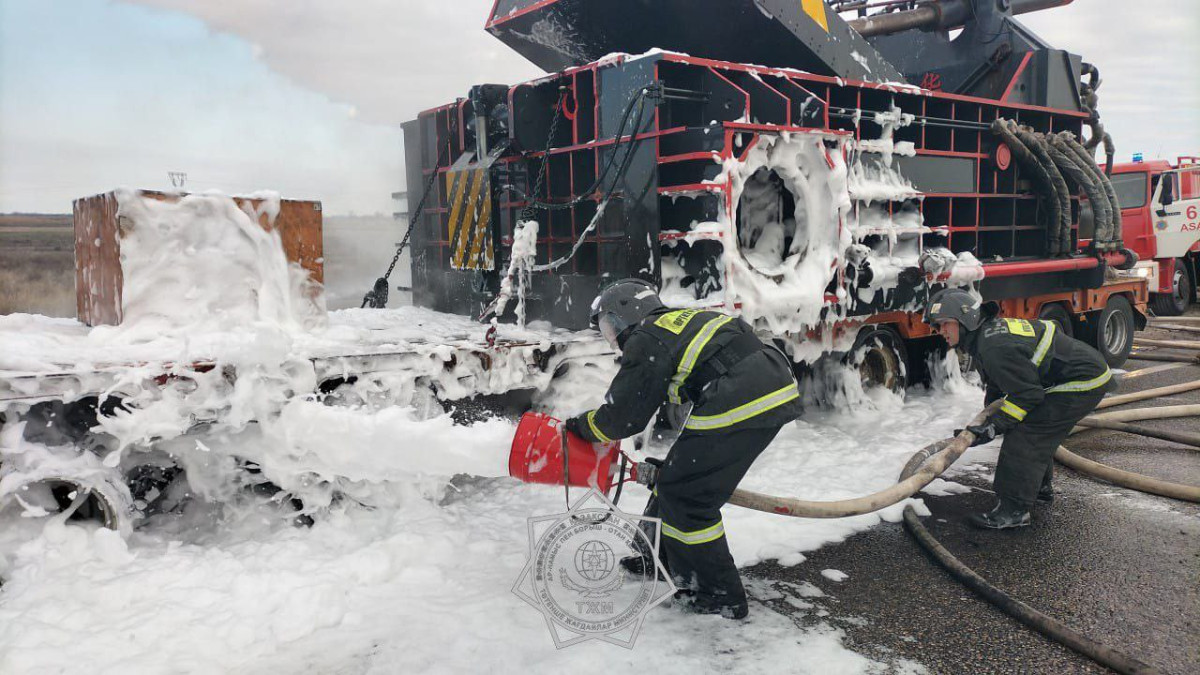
<point x="814" y="195"/>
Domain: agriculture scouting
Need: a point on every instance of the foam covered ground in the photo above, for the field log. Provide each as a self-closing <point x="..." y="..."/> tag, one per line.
<point x="407" y="568"/>
<point x="420" y="581"/>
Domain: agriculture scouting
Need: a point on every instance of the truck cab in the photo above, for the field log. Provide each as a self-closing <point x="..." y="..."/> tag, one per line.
<point x="1160" y="210"/>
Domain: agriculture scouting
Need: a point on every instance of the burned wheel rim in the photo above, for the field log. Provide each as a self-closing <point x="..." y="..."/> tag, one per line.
<point x="878" y="369"/>
<point x="880" y="364"/>
<point x="98" y="501"/>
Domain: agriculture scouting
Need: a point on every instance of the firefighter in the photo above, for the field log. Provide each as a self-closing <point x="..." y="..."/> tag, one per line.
<point x="742" y="393"/>
<point x="1048" y="381"/>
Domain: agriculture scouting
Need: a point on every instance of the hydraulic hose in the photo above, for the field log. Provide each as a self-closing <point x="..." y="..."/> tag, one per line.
<point x="1090" y="101"/>
<point x="1029" y="161"/>
<point x="1068" y="141"/>
<point x="1070" y="167"/>
<point x="1061" y="232"/>
<point x="940" y="455"/>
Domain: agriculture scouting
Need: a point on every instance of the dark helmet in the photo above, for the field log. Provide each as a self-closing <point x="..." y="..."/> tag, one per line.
<point x="954" y="304"/>
<point x="622" y="306"/>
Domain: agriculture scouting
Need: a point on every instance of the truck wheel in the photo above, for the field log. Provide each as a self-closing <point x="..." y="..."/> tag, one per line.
<point x="1177" y="301"/>
<point x="1057" y="313"/>
<point x="1112" y="332"/>
<point x="879" y="356"/>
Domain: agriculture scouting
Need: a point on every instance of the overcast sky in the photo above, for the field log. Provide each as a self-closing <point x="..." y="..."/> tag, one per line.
<point x="305" y="97"/>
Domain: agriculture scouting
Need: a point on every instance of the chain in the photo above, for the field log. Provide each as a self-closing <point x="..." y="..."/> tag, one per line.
<point x="530" y="206"/>
<point x="377" y="297"/>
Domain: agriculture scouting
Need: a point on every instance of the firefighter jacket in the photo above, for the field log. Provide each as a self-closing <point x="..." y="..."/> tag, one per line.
<point x="1023" y="361"/>
<point x="715" y="361"/>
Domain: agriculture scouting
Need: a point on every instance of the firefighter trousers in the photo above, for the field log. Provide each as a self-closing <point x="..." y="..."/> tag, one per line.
<point x="1027" y="453"/>
<point x="697" y="478"/>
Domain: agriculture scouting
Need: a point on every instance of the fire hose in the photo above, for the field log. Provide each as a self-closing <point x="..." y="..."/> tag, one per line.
<point x="1185" y="329"/>
<point x="932" y="460"/>
<point x="1027" y="615"/>
<point x="1111" y="423"/>
<point x="1129" y="479"/>
<point x="1177" y="344"/>
<point x="940" y="456"/>
<point x="1170" y="358"/>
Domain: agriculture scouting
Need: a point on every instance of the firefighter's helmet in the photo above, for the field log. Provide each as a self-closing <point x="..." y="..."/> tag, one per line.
<point x="957" y="305"/>
<point x="622" y="306"/>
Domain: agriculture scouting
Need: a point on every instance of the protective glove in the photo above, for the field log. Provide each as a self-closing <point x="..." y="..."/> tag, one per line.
<point x="647" y="471"/>
<point x="575" y="425"/>
<point x="984" y="433"/>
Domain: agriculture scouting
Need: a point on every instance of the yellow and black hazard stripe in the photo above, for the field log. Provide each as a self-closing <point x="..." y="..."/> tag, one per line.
<point x="470" y="231"/>
<point x="815" y="9"/>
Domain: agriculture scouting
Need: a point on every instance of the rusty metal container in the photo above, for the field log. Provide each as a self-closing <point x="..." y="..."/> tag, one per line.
<point x="99" y="277"/>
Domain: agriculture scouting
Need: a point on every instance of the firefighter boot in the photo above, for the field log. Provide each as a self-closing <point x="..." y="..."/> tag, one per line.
<point x="737" y="610"/>
<point x="1045" y="494"/>
<point x="1006" y="515"/>
<point x="640" y="566"/>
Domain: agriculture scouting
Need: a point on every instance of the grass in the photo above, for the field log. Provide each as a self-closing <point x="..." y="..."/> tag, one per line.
<point x="37" y="266"/>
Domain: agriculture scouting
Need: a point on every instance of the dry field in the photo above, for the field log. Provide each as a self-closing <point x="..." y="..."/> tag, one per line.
<point x="37" y="262"/>
<point x="37" y="265"/>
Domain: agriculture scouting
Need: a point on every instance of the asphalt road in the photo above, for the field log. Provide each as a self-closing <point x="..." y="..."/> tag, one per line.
<point x="1121" y="567"/>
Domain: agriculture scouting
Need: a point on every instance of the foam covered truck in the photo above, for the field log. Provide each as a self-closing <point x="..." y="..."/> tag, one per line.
<point x="822" y="196"/>
<point x="819" y="169"/>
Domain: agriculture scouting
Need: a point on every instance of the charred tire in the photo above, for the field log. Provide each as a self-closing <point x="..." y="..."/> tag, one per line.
<point x="1111" y="331"/>
<point x="1057" y="313"/>
<point x="1181" y="296"/>
<point x="880" y="357"/>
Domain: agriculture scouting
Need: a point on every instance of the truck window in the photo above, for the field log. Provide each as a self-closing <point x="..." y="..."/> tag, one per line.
<point x="1191" y="184"/>
<point x="1130" y="189"/>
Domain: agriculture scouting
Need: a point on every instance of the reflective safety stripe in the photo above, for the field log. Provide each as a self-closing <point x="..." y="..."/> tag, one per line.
<point x="591" y="418"/>
<point x="676" y="321"/>
<point x="1019" y="327"/>
<point x="1082" y="385"/>
<point x="697" y="537"/>
<point x="1044" y="344"/>
<point x="744" y="412"/>
<point x="1014" y="411"/>
<point x="691" y="354"/>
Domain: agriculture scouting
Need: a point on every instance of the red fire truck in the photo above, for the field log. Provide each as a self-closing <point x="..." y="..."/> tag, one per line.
<point x="1160" y="208"/>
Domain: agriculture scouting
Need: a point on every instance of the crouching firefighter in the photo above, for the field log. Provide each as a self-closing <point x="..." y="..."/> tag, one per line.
<point x="742" y="393"/>
<point x="1048" y="381"/>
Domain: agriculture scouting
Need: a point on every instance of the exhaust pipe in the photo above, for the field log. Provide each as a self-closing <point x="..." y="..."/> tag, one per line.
<point x="939" y="15"/>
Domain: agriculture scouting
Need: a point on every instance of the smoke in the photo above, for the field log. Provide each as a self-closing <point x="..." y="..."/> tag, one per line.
<point x="389" y="59"/>
<point x="393" y="58"/>
<point x="357" y="252"/>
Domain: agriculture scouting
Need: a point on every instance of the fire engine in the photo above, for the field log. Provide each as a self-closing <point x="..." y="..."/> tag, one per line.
<point x="1160" y="207"/>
